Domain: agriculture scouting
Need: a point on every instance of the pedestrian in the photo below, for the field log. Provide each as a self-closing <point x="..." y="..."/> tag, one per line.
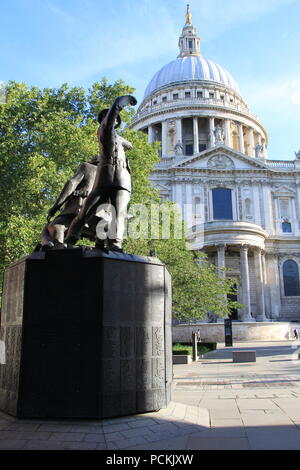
<point x="295" y="334"/>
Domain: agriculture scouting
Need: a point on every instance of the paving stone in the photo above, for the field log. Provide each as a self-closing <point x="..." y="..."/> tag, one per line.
<point x="113" y="436"/>
<point x="122" y="420"/>
<point x="59" y="445"/>
<point x="116" y="428"/>
<point x="141" y="423"/>
<point x="246" y="396"/>
<point x="167" y="444"/>
<point x="260" y="395"/>
<point x="274" y="438"/>
<point x="255" y="404"/>
<point x="55" y="427"/>
<point x="101" y="447"/>
<point x="88" y="429"/>
<point x="20" y="435"/>
<point x="111" y="446"/>
<point x="168" y="427"/>
<point x="217" y="422"/>
<point x="19" y="426"/>
<point x="264" y="419"/>
<point x="217" y="443"/>
<point x="140" y="432"/>
<point x="67" y="436"/>
<point x="188" y="429"/>
<point x="94" y="438"/>
<point x="12" y="444"/>
<point x="225" y="432"/>
<point x="130" y="443"/>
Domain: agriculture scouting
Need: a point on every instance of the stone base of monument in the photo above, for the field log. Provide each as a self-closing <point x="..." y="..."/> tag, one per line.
<point x="87" y="335"/>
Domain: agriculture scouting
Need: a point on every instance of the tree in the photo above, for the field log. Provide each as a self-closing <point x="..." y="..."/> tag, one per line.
<point x="44" y="135"/>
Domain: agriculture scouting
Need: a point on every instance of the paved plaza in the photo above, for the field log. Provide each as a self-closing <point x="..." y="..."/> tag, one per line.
<point x="217" y="405"/>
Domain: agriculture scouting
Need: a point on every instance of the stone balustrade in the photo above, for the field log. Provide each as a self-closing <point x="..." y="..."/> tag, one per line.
<point x="183" y="102"/>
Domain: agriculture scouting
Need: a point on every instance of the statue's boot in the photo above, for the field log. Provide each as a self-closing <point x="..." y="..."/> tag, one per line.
<point x="59" y="246"/>
<point x="116" y="245"/>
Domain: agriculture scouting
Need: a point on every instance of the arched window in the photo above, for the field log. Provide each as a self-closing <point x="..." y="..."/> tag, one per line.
<point x="291" y="278"/>
<point x="222" y="203"/>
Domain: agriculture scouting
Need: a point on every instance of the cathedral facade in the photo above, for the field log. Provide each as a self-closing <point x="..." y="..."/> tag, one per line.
<point x="245" y="206"/>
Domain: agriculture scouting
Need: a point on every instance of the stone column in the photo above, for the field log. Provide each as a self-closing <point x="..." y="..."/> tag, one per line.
<point x="246" y="311"/>
<point x="256" y="205"/>
<point x="260" y="288"/>
<point x="251" y="142"/>
<point x="265" y="151"/>
<point x="278" y="220"/>
<point x="221" y="265"/>
<point x="294" y="217"/>
<point x="227" y="132"/>
<point x="298" y="202"/>
<point x="164" y="130"/>
<point x="266" y="286"/>
<point x="221" y="259"/>
<point x="150" y="134"/>
<point x="241" y="138"/>
<point x="196" y="135"/>
<point x="274" y="283"/>
<point x="179" y="130"/>
<point x="189" y="205"/>
<point x="211" y="132"/>
<point x="267" y="202"/>
<point x="178" y="197"/>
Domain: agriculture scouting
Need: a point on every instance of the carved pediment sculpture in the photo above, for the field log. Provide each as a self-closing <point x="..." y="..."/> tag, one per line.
<point x="221" y="162"/>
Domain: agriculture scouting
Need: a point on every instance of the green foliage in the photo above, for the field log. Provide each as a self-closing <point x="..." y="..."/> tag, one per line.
<point x="183" y="348"/>
<point x="179" y="348"/>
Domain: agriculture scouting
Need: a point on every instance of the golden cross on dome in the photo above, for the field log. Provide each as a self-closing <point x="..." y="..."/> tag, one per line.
<point x="188" y="15"/>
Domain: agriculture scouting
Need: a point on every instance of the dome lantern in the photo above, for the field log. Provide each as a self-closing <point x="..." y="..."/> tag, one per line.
<point x="189" y="42"/>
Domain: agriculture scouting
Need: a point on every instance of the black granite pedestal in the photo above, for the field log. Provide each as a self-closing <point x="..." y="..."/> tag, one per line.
<point x="87" y="335"/>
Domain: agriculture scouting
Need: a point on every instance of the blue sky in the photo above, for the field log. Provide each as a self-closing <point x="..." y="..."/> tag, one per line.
<point x="49" y="42"/>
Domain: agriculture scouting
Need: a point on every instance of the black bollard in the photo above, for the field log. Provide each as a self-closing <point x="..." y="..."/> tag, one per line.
<point x="228" y="331"/>
<point x="195" y="345"/>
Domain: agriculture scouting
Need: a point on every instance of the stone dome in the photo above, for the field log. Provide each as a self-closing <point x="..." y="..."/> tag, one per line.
<point x="191" y="68"/>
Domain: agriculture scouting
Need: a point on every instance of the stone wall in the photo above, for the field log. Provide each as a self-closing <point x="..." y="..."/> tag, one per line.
<point x="290" y="308"/>
<point x="214" y="332"/>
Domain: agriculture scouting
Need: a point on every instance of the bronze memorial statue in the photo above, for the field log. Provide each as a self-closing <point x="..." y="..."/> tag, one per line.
<point x="94" y="201"/>
<point x="112" y="182"/>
